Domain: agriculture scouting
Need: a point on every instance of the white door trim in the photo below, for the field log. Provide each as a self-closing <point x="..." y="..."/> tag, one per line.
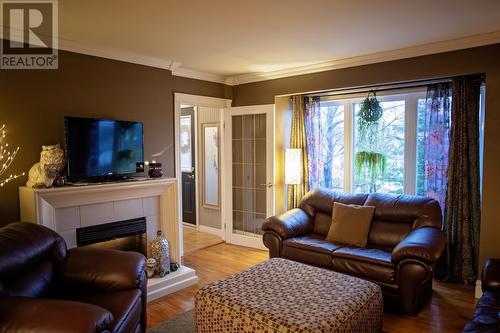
<point x="194" y="100"/>
<point x="227" y="209"/>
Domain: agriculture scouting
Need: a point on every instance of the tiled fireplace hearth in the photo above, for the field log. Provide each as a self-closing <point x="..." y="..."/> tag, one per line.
<point x="71" y="210"/>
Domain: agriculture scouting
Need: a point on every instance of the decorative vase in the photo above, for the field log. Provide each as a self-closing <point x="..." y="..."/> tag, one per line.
<point x="155" y="170"/>
<point x="160" y="250"/>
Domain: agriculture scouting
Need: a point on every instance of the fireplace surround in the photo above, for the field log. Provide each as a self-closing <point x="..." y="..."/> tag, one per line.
<point x="69" y="210"/>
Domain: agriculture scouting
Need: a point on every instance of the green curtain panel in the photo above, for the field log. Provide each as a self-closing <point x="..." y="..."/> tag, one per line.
<point x="463" y="210"/>
<point x="298" y="140"/>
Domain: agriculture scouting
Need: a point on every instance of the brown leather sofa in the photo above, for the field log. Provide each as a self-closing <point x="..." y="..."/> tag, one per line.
<point x="404" y="242"/>
<point x="487" y="315"/>
<point x="46" y="288"/>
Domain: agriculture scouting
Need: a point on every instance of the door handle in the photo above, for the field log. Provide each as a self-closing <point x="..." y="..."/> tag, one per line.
<point x="190" y="176"/>
<point x="269" y="185"/>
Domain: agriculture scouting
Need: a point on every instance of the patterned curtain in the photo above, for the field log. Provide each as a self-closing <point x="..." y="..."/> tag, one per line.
<point x="315" y="140"/>
<point x="437" y="141"/>
<point x="298" y="140"/>
<point x="463" y="203"/>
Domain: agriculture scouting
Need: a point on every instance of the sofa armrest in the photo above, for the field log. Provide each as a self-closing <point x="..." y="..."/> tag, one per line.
<point x="87" y="269"/>
<point x="425" y="244"/>
<point x="491" y="275"/>
<point x="292" y="223"/>
<point x="20" y="314"/>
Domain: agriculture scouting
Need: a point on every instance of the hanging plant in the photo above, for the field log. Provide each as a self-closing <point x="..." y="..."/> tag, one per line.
<point x="371" y="110"/>
<point x="374" y="164"/>
<point x="369" y="162"/>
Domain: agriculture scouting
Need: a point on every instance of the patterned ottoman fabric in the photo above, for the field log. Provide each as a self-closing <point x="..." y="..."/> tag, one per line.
<point x="280" y="295"/>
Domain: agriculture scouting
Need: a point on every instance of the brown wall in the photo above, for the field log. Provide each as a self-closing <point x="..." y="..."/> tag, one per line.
<point x="33" y="104"/>
<point x="470" y="61"/>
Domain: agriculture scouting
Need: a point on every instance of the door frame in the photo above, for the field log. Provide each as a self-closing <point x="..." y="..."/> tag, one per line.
<point x="196" y="101"/>
<point x="227" y="209"/>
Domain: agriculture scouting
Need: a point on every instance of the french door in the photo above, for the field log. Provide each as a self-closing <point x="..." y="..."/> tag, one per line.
<point x="249" y="177"/>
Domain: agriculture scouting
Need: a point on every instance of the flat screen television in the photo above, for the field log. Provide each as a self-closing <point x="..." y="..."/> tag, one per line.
<point x="100" y="148"/>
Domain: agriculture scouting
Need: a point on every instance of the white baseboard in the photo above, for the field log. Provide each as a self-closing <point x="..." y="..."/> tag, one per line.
<point x="210" y="230"/>
<point x="478" y="292"/>
<point x="189" y="225"/>
<point x="170" y="283"/>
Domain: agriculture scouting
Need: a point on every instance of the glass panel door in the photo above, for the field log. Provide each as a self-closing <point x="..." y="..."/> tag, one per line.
<point x="249" y="173"/>
<point x="249" y="136"/>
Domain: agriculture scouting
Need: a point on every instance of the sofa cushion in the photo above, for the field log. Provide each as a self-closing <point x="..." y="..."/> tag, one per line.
<point x="322" y="199"/>
<point x="387" y="234"/>
<point x="311" y="249"/>
<point x="311" y="242"/>
<point x="417" y="210"/>
<point x="371" y="255"/>
<point x="309" y="257"/>
<point x="124" y="305"/>
<point x="350" y="224"/>
<point x="322" y="223"/>
<point x="370" y="263"/>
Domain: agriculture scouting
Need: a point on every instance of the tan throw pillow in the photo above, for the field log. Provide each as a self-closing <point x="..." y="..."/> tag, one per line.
<point x="350" y="224"/>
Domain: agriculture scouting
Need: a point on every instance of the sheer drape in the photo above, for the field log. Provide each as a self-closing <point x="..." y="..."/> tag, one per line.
<point x="437" y="141"/>
<point x="298" y="140"/>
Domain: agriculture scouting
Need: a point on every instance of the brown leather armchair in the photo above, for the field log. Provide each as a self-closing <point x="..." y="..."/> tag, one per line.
<point x="46" y="288"/>
<point x="404" y="243"/>
<point x="487" y="314"/>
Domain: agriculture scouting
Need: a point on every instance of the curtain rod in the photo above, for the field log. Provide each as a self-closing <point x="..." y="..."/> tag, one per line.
<point x="380" y="87"/>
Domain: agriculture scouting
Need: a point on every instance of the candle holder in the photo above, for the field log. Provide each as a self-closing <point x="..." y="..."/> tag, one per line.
<point x="155" y="170"/>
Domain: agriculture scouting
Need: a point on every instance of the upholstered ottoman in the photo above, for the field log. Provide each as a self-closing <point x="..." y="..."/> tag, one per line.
<point x="280" y="295"/>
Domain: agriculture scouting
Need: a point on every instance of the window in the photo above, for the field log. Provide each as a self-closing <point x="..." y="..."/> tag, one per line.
<point x="333" y="142"/>
<point x="326" y="153"/>
<point x="392" y="136"/>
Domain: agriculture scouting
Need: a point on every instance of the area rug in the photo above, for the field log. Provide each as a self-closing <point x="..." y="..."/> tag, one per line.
<point x="183" y="323"/>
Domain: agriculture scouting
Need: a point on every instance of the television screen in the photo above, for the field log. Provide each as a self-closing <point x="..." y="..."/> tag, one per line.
<point x="100" y="147"/>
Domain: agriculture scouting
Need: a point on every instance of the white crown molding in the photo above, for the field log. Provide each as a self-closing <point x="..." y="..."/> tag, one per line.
<point x="98" y="51"/>
<point x="177" y="70"/>
<point x="410" y="52"/>
<point x="120" y="55"/>
<point x="114" y="54"/>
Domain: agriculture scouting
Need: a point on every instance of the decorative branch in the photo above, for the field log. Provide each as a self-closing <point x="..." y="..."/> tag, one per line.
<point x="6" y="158"/>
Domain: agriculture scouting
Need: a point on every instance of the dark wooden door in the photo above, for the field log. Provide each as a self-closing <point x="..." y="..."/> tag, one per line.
<point x="188" y="198"/>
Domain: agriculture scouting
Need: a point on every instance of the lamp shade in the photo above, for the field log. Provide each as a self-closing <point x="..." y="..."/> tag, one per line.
<point x="293" y="166"/>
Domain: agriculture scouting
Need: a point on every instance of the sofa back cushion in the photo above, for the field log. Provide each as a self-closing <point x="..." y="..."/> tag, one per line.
<point x="318" y="204"/>
<point x="394" y="217"/>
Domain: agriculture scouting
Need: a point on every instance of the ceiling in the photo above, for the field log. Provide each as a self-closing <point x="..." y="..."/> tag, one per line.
<point x="234" y="37"/>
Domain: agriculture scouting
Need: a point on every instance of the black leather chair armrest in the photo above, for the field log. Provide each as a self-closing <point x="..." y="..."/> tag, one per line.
<point x="87" y="269"/>
<point x="425" y="244"/>
<point x="491" y="275"/>
<point x="19" y="314"/>
<point x="292" y="223"/>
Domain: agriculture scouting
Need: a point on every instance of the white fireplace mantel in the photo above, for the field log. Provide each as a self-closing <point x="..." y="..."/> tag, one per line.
<point x="68" y="208"/>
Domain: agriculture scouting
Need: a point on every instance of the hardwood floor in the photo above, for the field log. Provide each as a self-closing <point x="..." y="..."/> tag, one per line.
<point x="450" y="308"/>
<point x="196" y="240"/>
